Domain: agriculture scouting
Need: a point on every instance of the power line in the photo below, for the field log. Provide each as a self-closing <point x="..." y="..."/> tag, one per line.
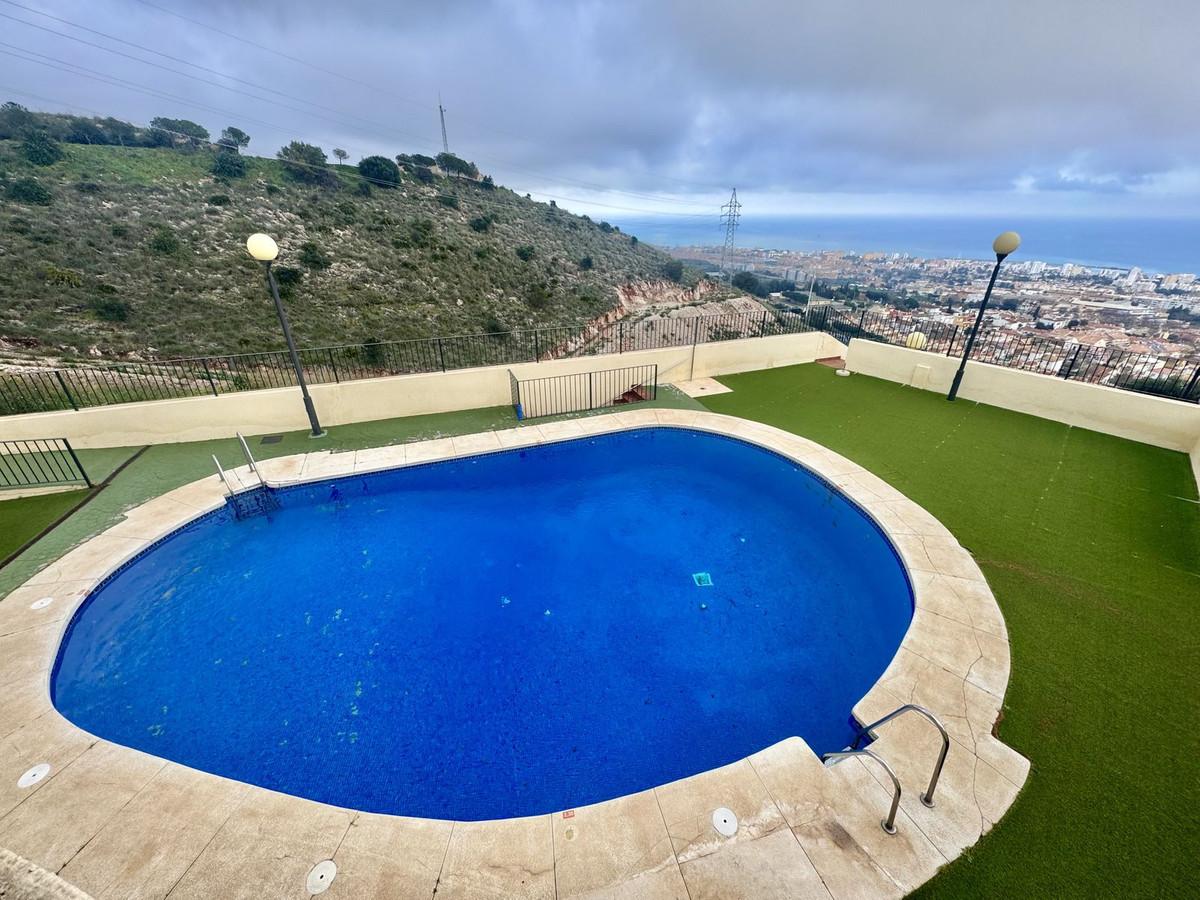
<point x="375" y="87"/>
<point x="423" y="141"/>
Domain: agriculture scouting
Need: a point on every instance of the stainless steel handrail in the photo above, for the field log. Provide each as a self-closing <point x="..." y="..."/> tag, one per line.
<point x="927" y="797"/>
<point x="221" y="474"/>
<point x="249" y="457"/>
<point x="889" y="824"/>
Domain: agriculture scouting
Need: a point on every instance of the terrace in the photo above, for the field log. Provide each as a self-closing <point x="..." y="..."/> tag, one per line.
<point x="1088" y="541"/>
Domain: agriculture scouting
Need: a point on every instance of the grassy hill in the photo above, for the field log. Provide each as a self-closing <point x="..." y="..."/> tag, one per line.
<point x="139" y="252"/>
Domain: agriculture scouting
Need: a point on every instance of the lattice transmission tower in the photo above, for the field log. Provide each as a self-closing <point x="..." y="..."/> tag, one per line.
<point x="731" y="212"/>
<point x="442" y="114"/>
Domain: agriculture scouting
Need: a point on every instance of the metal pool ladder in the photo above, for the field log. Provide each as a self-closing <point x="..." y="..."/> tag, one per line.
<point x="889" y="824"/>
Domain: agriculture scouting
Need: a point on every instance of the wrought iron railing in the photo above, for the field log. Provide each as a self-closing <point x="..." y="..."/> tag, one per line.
<point x="44" y="390"/>
<point x="1177" y="379"/>
<point x="45" y="462"/>
<point x="554" y="395"/>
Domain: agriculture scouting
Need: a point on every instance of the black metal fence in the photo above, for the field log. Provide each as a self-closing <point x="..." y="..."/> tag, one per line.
<point x="40" y="463"/>
<point x="1177" y="379"/>
<point x="77" y="388"/>
<point x="534" y="398"/>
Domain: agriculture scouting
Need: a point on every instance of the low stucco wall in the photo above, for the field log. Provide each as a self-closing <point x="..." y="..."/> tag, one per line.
<point x="266" y="412"/>
<point x="1139" y="417"/>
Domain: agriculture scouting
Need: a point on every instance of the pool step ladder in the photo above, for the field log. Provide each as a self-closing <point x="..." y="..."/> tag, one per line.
<point x="252" y="500"/>
<point x="889" y="824"/>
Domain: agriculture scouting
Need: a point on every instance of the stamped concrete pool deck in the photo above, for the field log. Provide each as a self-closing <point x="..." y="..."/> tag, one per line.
<point x="115" y="822"/>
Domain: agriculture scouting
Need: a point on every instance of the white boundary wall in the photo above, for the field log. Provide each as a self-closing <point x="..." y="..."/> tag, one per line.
<point x="1139" y="417"/>
<point x="266" y="412"/>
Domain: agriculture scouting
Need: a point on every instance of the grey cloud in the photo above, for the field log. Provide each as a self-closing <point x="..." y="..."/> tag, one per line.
<point x="858" y="97"/>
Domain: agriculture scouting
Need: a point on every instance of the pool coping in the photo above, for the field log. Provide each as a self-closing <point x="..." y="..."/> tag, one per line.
<point x="804" y="828"/>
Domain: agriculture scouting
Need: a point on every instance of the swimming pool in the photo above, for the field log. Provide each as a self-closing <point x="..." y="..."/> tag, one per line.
<point x="500" y="635"/>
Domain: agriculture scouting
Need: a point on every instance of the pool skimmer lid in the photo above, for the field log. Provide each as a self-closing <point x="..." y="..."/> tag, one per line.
<point x="321" y="876"/>
<point x="702" y="579"/>
<point x="34" y="775"/>
<point x="725" y="821"/>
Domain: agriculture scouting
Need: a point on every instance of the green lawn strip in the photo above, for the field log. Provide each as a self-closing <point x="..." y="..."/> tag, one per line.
<point x="167" y="466"/>
<point x="1091" y="544"/>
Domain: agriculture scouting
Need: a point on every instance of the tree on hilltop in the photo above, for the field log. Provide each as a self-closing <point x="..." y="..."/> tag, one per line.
<point x="340" y="154"/>
<point x="234" y="139"/>
<point x="304" y="162"/>
<point x="380" y="170"/>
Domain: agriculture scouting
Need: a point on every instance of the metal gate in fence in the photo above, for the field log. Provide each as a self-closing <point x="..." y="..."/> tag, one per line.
<point x="533" y="398"/>
<point x="47" y="462"/>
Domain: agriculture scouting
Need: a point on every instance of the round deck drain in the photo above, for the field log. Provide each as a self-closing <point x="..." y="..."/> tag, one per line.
<point x="725" y="821"/>
<point x="34" y="775"/>
<point x="41" y="603"/>
<point x="321" y="876"/>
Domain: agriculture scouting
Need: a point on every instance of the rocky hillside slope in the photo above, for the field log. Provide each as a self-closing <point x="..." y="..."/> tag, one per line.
<point x="134" y="253"/>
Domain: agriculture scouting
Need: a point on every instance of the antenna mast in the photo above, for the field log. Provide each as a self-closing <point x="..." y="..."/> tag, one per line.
<point x="731" y="212"/>
<point x="442" y="113"/>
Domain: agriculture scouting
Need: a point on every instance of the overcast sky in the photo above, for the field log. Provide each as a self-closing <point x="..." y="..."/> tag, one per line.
<point x="842" y="106"/>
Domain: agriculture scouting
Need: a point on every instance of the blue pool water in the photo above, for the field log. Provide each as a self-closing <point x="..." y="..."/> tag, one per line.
<point x="506" y="635"/>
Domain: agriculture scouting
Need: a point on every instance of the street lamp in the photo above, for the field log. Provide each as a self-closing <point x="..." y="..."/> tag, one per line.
<point x="1003" y="245"/>
<point x="263" y="248"/>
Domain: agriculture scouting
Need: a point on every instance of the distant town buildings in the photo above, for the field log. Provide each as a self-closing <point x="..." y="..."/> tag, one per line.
<point x="1128" y="309"/>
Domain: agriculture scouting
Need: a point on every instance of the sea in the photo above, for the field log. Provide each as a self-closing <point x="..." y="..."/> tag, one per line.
<point x="1156" y="245"/>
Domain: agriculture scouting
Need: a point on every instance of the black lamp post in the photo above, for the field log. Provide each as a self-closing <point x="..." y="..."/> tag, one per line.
<point x="1003" y="245"/>
<point x="263" y="248"/>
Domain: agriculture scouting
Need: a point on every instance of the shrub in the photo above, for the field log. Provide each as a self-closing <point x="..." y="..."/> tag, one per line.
<point x="228" y="164"/>
<point x="448" y="200"/>
<point x="363" y="189"/>
<point x="481" y="224"/>
<point x="525" y="252"/>
<point x="120" y="231"/>
<point x="219" y="200"/>
<point x="17" y="225"/>
<point x="673" y="269"/>
<point x="61" y="277"/>
<point x="287" y="277"/>
<point x="273" y="189"/>
<point x="633" y="241"/>
<point x="748" y="282"/>
<point x="305" y="162"/>
<point x="163" y="241"/>
<point x="41" y="149"/>
<point x="380" y="170"/>
<point x="372" y="352"/>
<point x="493" y="325"/>
<point x="424" y="175"/>
<point x="421" y="159"/>
<point x="606" y="228"/>
<point x="420" y="232"/>
<point x="538" y="295"/>
<point x="88" y="187"/>
<point x="312" y="256"/>
<point x="483" y="252"/>
<point x="110" y="309"/>
<point x="487" y="184"/>
<point x="585" y="263"/>
<point x="29" y="190"/>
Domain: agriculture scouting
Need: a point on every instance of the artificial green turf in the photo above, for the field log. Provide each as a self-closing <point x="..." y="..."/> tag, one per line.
<point x="1091" y="545"/>
<point x="23" y="518"/>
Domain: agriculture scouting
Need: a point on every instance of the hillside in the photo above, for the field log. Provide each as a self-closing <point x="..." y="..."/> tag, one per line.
<point x="138" y="252"/>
